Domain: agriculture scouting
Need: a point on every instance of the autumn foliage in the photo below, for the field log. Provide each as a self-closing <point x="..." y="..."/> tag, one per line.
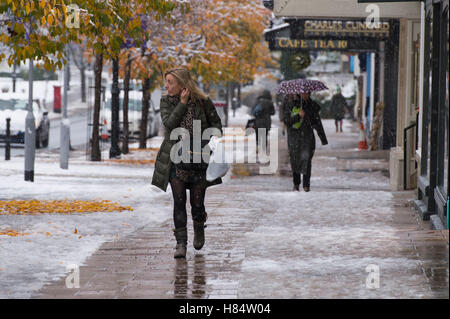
<point x="219" y="40"/>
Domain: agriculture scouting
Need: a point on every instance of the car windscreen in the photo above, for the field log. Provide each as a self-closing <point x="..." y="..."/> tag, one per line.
<point x="133" y="105"/>
<point x="13" y="105"/>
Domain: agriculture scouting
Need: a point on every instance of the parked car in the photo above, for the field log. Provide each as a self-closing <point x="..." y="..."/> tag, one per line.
<point x="134" y="115"/>
<point x="14" y="106"/>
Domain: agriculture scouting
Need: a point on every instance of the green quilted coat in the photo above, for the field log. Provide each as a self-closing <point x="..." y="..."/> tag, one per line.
<point x="172" y="115"/>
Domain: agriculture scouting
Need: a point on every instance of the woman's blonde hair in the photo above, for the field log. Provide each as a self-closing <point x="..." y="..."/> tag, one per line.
<point x="183" y="77"/>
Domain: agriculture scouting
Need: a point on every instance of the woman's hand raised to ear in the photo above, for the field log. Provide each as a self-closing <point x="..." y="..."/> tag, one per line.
<point x="185" y="95"/>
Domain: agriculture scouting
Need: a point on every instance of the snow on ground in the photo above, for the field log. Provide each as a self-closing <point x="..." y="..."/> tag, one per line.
<point x="241" y="117"/>
<point x="323" y="241"/>
<point x="27" y="262"/>
<point x="316" y="240"/>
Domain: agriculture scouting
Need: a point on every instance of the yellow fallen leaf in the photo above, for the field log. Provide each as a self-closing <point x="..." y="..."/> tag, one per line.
<point x="76" y="231"/>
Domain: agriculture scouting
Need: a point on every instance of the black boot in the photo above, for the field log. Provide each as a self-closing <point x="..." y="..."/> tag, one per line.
<point x="181" y="236"/>
<point x="199" y="232"/>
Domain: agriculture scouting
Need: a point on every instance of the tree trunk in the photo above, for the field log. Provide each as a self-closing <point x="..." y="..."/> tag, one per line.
<point x="114" y="151"/>
<point x="239" y="95"/>
<point x="68" y="84"/>
<point x="227" y="94"/>
<point x="144" y="116"/>
<point x="126" y="89"/>
<point x="95" y="146"/>
<point x="14" y="78"/>
<point x="83" y="85"/>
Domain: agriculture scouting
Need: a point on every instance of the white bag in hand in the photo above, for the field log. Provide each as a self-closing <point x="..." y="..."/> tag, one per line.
<point x="217" y="166"/>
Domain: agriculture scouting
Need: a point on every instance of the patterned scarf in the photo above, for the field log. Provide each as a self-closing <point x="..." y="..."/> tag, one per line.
<point x="186" y="123"/>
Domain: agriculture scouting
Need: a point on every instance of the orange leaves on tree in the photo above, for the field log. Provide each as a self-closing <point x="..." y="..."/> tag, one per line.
<point x="38" y="28"/>
<point x="217" y="39"/>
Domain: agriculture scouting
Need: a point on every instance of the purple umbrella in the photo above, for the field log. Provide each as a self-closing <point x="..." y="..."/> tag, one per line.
<point x="298" y="86"/>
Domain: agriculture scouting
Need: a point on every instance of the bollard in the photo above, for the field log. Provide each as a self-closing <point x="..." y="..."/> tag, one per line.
<point x="8" y="145"/>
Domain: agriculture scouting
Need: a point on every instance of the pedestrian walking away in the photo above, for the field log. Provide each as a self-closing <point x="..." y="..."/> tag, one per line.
<point x="301" y="116"/>
<point x="338" y="107"/>
<point x="262" y="112"/>
<point x="183" y="103"/>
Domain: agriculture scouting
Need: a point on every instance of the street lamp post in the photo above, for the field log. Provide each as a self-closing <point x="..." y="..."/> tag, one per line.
<point x="64" y="143"/>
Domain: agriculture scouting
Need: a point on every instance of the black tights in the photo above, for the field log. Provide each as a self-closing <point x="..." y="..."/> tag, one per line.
<point x="197" y="198"/>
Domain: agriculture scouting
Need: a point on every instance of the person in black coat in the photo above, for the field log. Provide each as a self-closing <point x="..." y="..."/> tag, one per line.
<point x="338" y="108"/>
<point x="262" y="112"/>
<point x="301" y="116"/>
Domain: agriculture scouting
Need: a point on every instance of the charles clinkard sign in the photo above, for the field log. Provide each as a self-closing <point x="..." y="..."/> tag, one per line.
<point x="343" y="28"/>
<point x="330" y="34"/>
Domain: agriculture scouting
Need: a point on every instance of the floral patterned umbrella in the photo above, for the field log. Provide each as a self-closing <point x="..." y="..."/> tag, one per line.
<point x="298" y="86"/>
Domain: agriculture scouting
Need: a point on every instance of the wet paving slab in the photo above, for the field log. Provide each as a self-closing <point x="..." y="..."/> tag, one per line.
<point x="350" y="237"/>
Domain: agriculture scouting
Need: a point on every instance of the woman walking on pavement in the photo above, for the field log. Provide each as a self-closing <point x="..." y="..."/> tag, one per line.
<point x="301" y="116"/>
<point x="184" y="103"/>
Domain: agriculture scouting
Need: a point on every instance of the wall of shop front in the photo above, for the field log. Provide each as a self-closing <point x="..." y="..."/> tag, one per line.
<point x="433" y="180"/>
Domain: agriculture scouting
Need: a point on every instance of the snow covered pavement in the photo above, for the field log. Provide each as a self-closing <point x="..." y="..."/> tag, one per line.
<point x="51" y="243"/>
<point x="350" y="237"/>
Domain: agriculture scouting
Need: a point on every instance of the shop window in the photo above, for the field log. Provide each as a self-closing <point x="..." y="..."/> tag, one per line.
<point x="445" y="105"/>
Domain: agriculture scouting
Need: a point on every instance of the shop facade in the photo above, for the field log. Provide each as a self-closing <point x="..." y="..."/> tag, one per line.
<point x="432" y="154"/>
<point x="375" y="49"/>
<point x="409" y="76"/>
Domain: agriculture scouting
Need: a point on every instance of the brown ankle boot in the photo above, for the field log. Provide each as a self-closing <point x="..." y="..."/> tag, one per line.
<point x="199" y="232"/>
<point x="181" y="237"/>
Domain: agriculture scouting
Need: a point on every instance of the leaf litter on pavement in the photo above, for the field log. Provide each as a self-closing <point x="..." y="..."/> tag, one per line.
<point x="33" y="207"/>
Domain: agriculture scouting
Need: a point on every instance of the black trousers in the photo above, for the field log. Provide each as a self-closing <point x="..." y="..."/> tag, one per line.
<point x="197" y="197"/>
<point x="306" y="177"/>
